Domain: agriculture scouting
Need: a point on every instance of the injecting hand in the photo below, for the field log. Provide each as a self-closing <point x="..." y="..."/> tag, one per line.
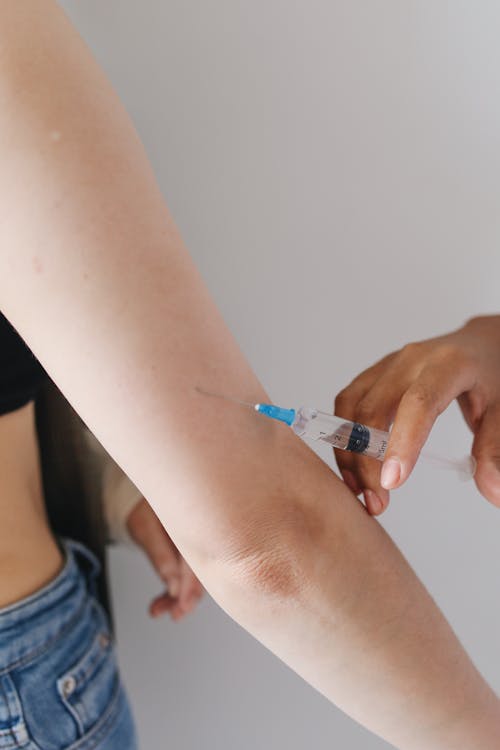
<point x="409" y="389"/>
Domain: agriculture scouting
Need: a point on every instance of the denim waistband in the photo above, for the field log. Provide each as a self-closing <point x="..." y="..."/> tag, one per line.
<point x="29" y="626"/>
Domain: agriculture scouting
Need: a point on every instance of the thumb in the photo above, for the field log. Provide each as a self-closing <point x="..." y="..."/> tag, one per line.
<point x="486" y="451"/>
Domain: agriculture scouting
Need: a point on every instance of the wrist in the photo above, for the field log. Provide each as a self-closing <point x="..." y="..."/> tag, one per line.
<point x="119" y="496"/>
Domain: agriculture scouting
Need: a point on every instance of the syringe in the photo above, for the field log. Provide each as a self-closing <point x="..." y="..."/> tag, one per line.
<point x="344" y="434"/>
<point x="353" y="436"/>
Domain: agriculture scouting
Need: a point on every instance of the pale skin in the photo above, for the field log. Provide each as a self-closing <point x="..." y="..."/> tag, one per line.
<point x="96" y="278"/>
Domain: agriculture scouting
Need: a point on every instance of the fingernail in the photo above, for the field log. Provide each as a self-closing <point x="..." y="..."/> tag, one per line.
<point x="373" y="502"/>
<point x="391" y="473"/>
<point x="173" y="587"/>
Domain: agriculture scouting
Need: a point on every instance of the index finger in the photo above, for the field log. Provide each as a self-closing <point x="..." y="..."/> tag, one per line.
<point x="436" y="387"/>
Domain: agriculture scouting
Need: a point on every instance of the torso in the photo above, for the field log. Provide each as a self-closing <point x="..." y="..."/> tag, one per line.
<point x="29" y="554"/>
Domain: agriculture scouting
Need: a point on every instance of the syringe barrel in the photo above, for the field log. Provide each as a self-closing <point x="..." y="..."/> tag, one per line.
<point x="340" y="433"/>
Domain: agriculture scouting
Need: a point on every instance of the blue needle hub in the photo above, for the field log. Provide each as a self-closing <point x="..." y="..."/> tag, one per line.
<point x="276" y="412"/>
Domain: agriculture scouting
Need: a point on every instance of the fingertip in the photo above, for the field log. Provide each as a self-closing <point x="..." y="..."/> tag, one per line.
<point x="373" y="502"/>
<point x="376" y="502"/>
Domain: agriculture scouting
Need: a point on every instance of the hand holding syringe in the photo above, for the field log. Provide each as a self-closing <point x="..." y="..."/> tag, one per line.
<point x="352" y="436"/>
<point x="346" y="435"/>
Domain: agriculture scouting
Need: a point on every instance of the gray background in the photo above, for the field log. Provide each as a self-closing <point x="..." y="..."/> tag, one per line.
<point x="334" y="170"/>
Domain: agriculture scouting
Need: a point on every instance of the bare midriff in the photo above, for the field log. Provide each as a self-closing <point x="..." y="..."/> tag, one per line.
<point x="29" y="554"/>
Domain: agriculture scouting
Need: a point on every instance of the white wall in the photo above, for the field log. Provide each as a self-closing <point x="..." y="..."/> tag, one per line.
<point x="334" y="169"/>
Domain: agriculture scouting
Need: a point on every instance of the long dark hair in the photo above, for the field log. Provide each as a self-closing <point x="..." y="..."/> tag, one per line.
<point x="72" y="479"/>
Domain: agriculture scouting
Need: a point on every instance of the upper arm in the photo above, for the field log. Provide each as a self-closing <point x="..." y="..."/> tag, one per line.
<point x="95" y="277"/>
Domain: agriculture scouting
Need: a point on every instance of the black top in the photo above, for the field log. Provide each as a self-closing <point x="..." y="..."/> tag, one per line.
<point x="21" y="374"/>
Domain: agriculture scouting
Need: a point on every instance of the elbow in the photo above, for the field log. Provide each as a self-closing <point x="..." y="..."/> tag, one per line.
<point x="268" y="573"/>
<point x="268" y="558"/>
<point x="264" y="538"/>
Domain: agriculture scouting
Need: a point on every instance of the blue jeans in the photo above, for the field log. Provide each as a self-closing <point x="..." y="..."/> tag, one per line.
<point x="60" y="686"/>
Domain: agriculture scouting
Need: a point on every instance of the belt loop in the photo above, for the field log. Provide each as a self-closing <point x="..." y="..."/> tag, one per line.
<point x="86" y="561"/>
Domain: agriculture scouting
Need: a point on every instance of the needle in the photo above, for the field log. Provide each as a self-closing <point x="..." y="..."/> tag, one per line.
<point x="226" y="398"/>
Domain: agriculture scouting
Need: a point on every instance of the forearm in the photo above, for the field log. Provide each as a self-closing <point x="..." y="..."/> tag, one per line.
<point x="344" y="609"/>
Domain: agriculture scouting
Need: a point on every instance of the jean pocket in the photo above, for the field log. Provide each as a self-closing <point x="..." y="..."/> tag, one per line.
<point x="90" y="686"/>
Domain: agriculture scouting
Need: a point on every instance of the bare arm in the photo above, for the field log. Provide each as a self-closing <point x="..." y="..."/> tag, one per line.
<point x="95" y="277"/>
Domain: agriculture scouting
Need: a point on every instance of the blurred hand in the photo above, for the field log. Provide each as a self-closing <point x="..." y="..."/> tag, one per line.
<point x="409" y="389"/>
<point x="183" y="588"/>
